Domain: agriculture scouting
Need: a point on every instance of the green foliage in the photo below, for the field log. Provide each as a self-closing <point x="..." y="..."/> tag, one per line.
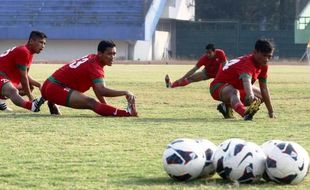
<point x="81" y="150"/>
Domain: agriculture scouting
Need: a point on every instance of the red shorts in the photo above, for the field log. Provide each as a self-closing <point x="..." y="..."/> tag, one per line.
<point x="209" y="73"/>
<point x="3" y="81"/>
<point x="216" y="89"/>
<point x="56" y="93"/>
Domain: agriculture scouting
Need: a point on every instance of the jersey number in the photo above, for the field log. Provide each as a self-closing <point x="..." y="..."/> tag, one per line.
<point x="230" y="63"/>
<point x="76" y="63"/>
<point x="7" y="52"/>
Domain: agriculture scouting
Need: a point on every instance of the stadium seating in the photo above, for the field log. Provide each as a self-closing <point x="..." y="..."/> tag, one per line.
<point x="74" y="19"/>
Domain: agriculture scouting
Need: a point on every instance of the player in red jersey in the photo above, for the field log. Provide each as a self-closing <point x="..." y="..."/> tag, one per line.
<point x="67" y="84"/>
<point x="211" y="60"/>
<point x="15" y="80"/>
<point x="233" y="84"/>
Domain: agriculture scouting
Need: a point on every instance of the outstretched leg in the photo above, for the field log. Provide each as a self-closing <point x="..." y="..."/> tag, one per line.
<point x="199" y="76"/>
<point x="8" y="90"/>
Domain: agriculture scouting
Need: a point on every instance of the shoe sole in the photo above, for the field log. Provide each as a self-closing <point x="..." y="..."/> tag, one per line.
<point x="168" y="81"/>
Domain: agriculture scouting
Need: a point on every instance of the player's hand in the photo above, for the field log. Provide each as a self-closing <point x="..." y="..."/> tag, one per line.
<point x="130" y="97"/>
<point x="250" y="99"/>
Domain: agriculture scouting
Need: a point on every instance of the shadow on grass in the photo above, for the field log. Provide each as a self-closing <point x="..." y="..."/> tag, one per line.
<point x="190" y="120"/>
<point x="213" y="182"/>
<point x="166" y="181"/>
<point x="38" y="115"/>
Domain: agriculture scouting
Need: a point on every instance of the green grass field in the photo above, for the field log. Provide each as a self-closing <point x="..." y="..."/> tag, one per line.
<point x="81" y="150"/>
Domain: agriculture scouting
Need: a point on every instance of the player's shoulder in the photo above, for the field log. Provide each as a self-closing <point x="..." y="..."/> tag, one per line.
<point x="22" y="49"/>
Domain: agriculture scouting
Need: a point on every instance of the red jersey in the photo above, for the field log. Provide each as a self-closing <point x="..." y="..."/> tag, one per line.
<point x="233" y="71"/>
<point x="81" y="74"/>
<point x="213" y="64"/>
<point x="14" y="60"/>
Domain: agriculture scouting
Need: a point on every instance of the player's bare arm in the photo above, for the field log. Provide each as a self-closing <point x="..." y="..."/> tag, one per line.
<point x="99" y="96"/>
<point x="189" y="73"/>
<point x="107" y="92"/>
<point x="33" y="82"/>
<point x="248" y="90"/>
<point x="266" y="97"/>
<point x="25" y="84"/>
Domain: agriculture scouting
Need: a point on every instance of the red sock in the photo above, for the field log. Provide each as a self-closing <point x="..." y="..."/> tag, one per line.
<point x="27" y="105"/>
<point x="184" y="82"/>
<point x="107" y="110"/>
<point x="239" y="108"/>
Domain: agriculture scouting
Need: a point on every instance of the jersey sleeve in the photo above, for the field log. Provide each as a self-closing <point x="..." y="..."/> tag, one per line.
<point x="221" y="56"/>
<point x="262" y="77"/>
<point x="96" y="75"/>
<point x="22" y="59"/>
<point x="245" y="70"/>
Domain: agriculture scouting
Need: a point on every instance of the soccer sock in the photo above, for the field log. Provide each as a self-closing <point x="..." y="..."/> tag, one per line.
<point x="107" y="110"/>
<point x="27" y="105"/>
<point x="184" y="82"/>
<point x="239" y="108"/>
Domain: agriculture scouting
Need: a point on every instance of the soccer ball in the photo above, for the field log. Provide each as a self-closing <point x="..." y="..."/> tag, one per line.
<point x="220" y="152"/>
<point x="268" y="145"/>
<point x="209" y="148"/>
<point x="183" y="159"/>
<point x="267" y="148"/>
<point x="244" y="163"/>
<point x="287" y="163"/>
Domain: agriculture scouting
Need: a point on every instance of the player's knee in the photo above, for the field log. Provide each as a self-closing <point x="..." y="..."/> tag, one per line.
<point x="234" y="92"/>
<point x="11" y="92"/>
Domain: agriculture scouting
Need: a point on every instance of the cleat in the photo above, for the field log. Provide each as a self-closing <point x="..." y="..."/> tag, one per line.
<point x="168" y="81"/>
<point x="5" y="108"/>
<point x="54" y="108"/>
<point x="227" y="112"/>
<point x="252" y="109"/>
<point x="36" y="104"/>
<point x="131" y="109"/>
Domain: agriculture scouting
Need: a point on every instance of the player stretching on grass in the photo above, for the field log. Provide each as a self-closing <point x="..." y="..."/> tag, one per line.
<point x="67" y="84"/>
<point x="212" y="60"/>
<point x="234" y="82"/>
<point x="15" y="80"/>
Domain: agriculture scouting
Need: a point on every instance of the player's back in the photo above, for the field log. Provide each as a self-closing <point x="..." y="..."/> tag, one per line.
<point x="79" y="74"/>
<point x="13" y="60"/>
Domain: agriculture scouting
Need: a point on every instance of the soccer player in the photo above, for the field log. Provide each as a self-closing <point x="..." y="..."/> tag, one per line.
<point x="211" y="60"/>
<point x="233" y="84"/>
<point x="15" y="80"/>
<point x="66" y="85"/>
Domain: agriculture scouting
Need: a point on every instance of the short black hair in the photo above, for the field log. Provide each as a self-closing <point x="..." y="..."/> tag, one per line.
<point x="264" y="46"/>
<point x="37" y="35"/>
<point x="210" y="47"/>
<point x="104" y="44"/>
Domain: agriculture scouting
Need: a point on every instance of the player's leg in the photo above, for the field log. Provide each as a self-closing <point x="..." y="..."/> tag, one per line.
<point x="70" y="98"/>
<point x="80" y="101"/>
<point x="254" y="106"/>
<point x="224" y="108"/>
<point x="9" y="91"/>
<point x="230" y="95"/>
<point x="196" y="77"/>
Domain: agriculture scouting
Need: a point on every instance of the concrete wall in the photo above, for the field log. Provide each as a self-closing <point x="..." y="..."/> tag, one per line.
<point x="67" y="50"/>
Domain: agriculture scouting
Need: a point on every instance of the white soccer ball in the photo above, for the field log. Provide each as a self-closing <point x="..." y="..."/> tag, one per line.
<point x="209" y="148"/>
<point x="267" y="148"/>
<point x="244" y="163"/>
<point x="268" y="145"/>
<point x="220" y="152"/>
<point x="183" y="159"/>
<point x="287" y="163"/>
